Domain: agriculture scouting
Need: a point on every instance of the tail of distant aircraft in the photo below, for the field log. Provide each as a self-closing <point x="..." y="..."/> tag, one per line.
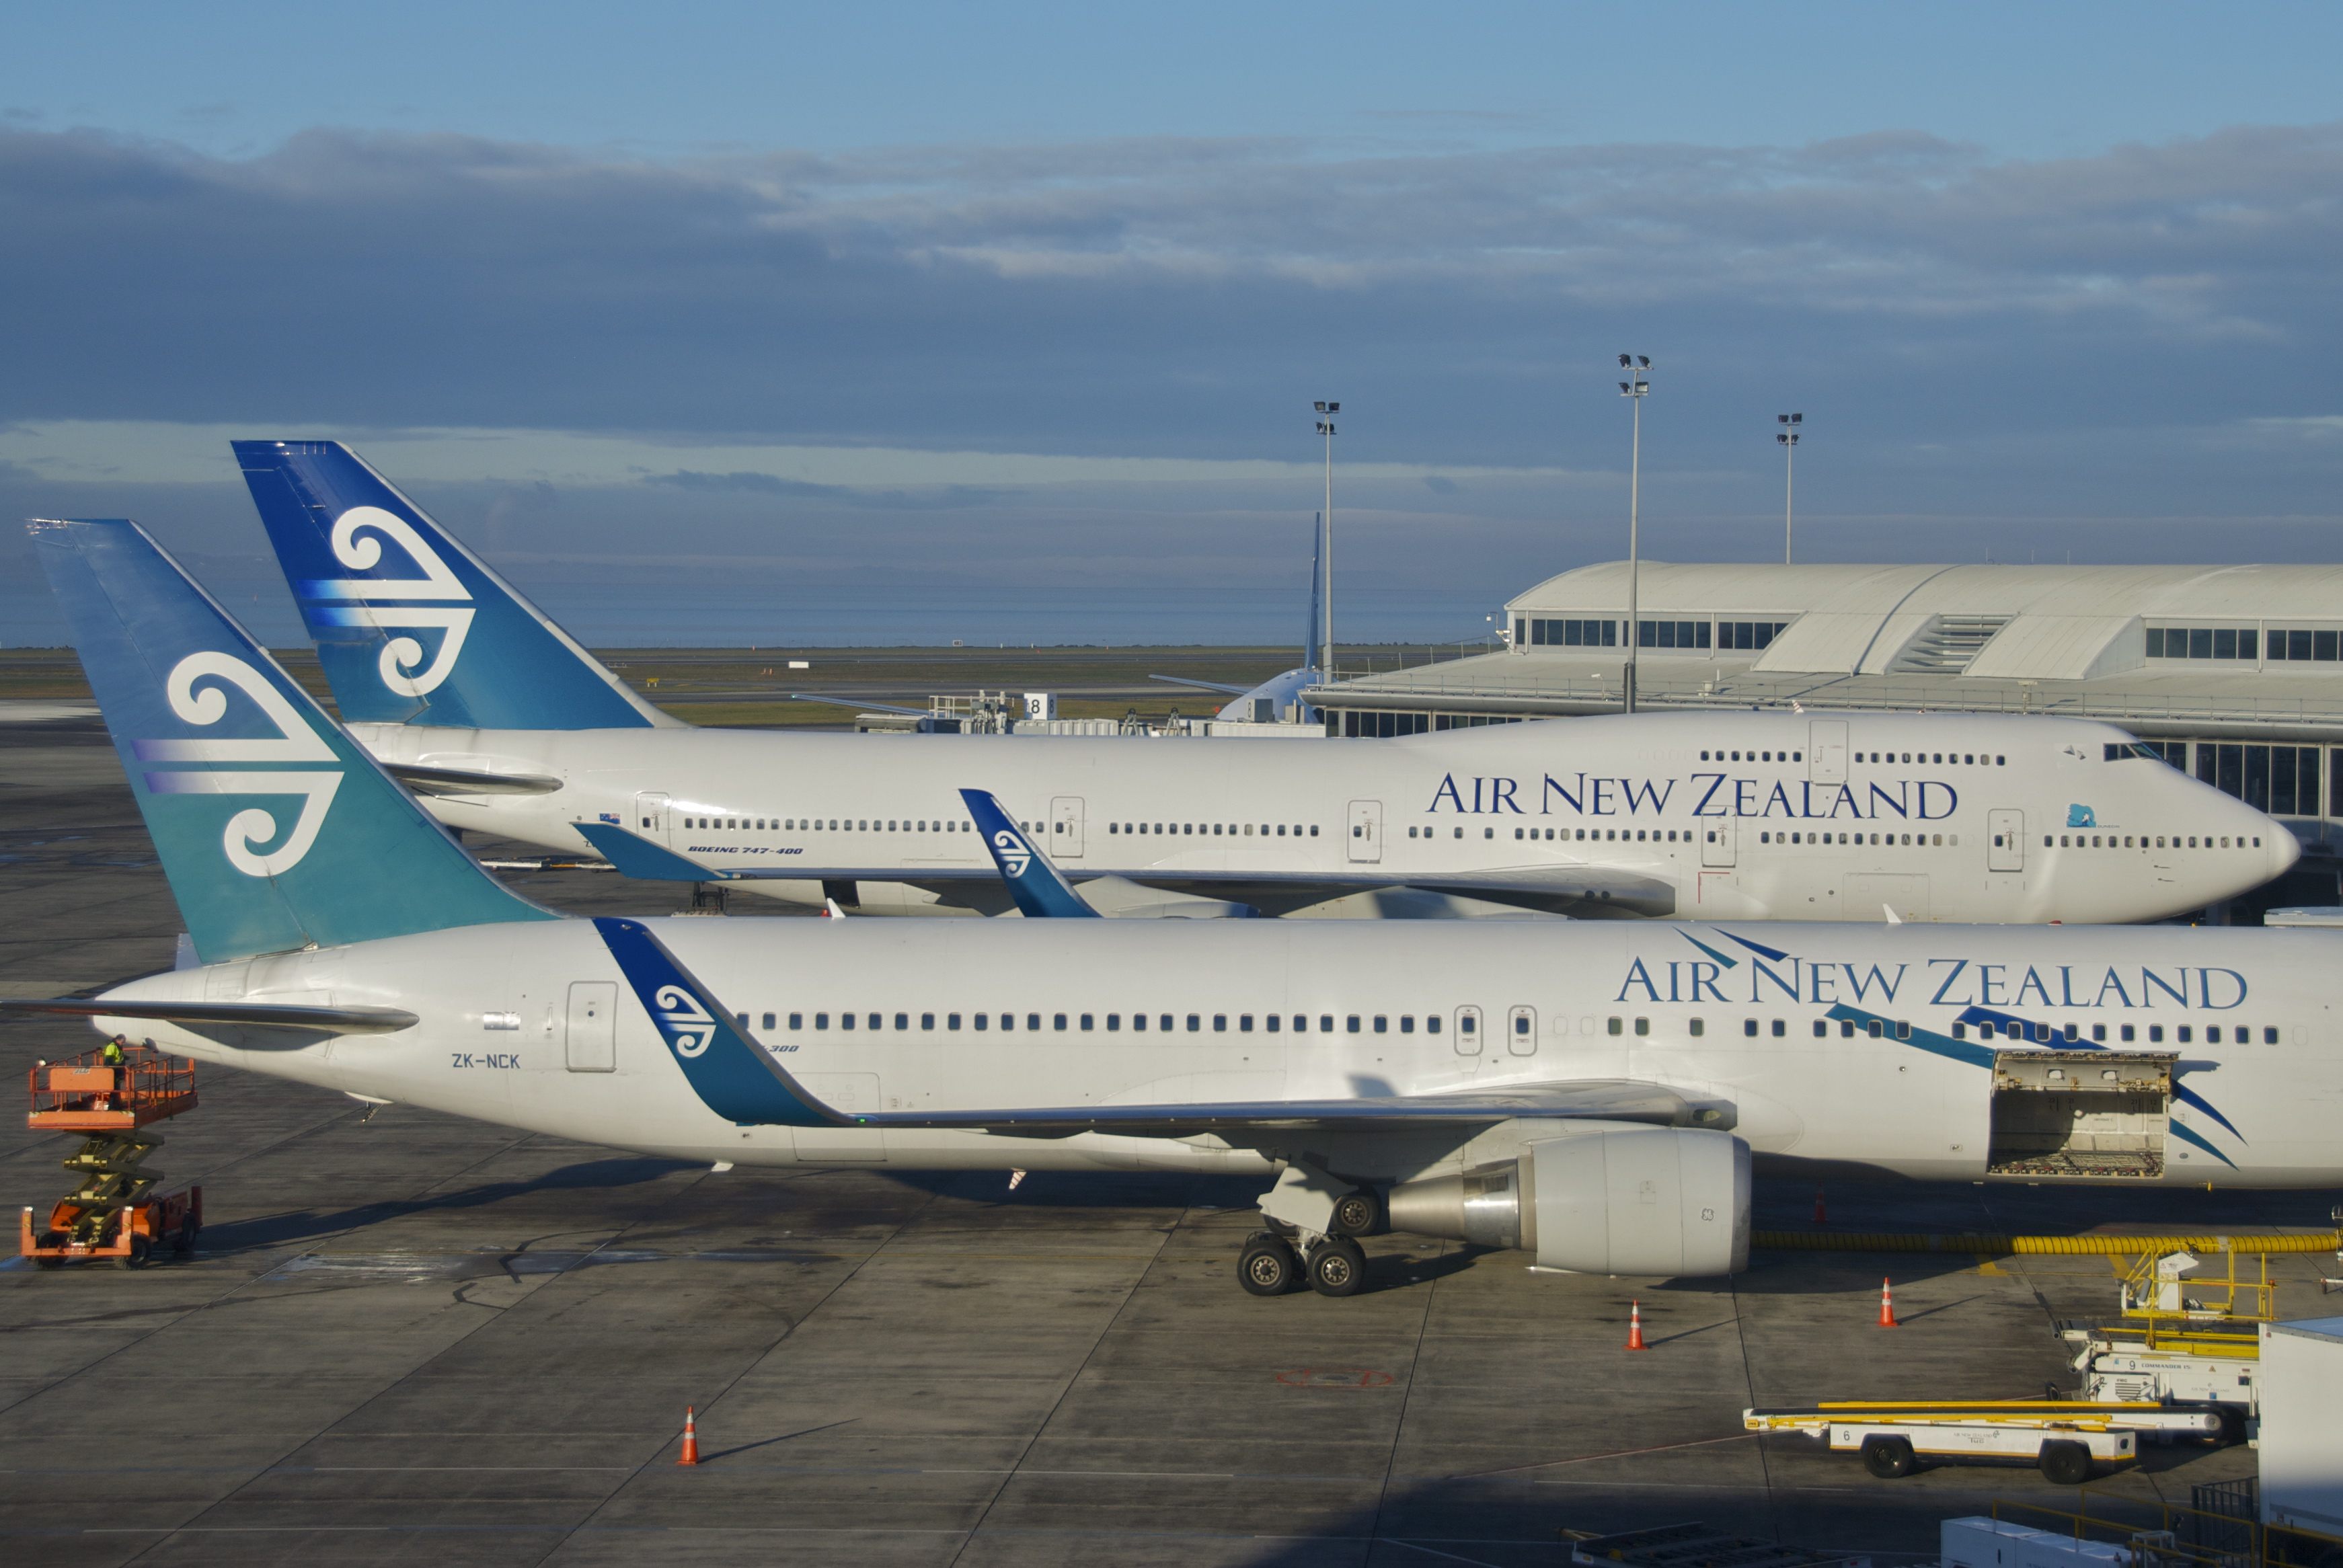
<point x="276" y="830"/>
<point x="411" y="627"/>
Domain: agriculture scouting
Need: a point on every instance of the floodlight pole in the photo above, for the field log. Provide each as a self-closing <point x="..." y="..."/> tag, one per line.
<point x="1326" y="412"/>
<point x="1634" y="388"/>
<point x="1788" y="437"/>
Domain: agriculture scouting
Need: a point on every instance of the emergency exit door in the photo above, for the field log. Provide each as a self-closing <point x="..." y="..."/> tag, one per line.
<point x="591" y="1039"/>
<point x="1066" y="826"/>
<point x="1716" y="842"/>
<point x="2004" y="841"/>
<point x="1366" y="830"/>
<point x="1826" y="750"/>
<point x="651" y="817"/>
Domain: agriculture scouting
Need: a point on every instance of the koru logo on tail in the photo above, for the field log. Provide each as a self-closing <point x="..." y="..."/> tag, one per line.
<point x="1015" y="853"/>
<point x="355" y="547"/>
<point x="295" y="742"/>
<point x="689" y="1030"/>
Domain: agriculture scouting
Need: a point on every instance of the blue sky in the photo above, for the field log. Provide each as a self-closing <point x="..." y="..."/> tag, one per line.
<point x="1038" y="296"/>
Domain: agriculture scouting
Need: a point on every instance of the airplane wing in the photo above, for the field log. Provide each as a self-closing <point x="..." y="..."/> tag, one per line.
<point x="1202" y="685"/>
<point x="269" y="1015"/>
<point x="745" y="1083"/>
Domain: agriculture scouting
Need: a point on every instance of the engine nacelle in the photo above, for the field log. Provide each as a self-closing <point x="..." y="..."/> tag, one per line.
<point x="1602" y="1199"/>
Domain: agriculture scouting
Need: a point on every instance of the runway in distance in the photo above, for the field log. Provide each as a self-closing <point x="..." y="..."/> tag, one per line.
<point x="472" y="695"/>
<point x="1596" y="1094"/>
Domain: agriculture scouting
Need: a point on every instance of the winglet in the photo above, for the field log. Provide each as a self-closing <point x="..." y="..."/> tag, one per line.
<point x="1040" y="891"/>
<point x="636" y="856"/>
<point x="733" y="1076"/>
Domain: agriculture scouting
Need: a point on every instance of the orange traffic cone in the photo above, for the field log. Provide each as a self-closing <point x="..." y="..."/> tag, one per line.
<point x="1822" y="1215"/>
<point x="690" y="1439"/>
<point x="1887" y="1307"/>
<point x="1635" y="1327"/>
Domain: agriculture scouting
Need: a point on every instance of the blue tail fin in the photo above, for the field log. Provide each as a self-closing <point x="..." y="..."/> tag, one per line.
<point x="422" y="632"/>
<point x="732" y="1075"/>
<point x="242" y="747"/>
<point x="1040" y="891"/>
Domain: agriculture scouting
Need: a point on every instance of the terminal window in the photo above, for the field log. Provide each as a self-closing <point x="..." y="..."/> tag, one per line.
<point x="2281" y="780"/>
<point x="2305" y="646"/>
<point x="1573" y="633"/>
<point x="1672" y="633"/>
<point x="1751" y="634"/>
<point x="2204" y="642"/>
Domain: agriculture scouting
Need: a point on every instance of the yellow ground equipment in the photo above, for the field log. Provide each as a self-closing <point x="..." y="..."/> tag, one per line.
<point x="2069" y="1441"/>
<point x="111" y="1094"/>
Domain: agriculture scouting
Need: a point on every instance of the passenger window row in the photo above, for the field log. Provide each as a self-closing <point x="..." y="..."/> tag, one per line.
<point x="1166" y="1023"/>
<point x="730" y="824"/>
<point x="2042" y="1033"/>
<point x="2092" y="841"/>
<point x="1753" y="756"/>
<point x="1915" y="841"/>
<point x="1211" y="830"/>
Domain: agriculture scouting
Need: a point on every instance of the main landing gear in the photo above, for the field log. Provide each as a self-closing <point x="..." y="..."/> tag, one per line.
<point x="1333" y="1265"/>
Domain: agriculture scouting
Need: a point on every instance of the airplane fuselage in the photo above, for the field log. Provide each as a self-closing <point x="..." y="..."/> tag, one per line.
<point x="1896" y="1052"/>
<point x="1704" y="816"/>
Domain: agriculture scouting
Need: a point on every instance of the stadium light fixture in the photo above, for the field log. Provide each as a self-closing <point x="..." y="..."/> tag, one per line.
<point x="1326" y="412"/>
<point x="1634" y="390"/>
<point x="1788" y="437"/>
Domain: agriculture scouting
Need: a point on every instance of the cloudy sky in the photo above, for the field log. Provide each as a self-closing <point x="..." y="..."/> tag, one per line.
<point x="843" y="319"/>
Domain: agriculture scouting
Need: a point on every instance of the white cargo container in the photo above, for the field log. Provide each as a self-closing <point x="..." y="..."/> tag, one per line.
<point x="2302" y="1426"/>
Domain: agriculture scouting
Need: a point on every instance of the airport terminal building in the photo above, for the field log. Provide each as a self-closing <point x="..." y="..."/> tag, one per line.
<point x="2233" y="673"/>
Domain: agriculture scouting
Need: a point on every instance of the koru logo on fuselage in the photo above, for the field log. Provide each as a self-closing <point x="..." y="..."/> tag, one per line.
<point x="690" y="1029"/>
<point x="1015" y="853"/>
<point x="295" y="742"/>
<point x="355" y="547"/>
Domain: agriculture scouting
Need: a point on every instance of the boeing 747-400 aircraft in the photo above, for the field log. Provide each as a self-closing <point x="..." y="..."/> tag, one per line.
<point x="471" y="695"/>
<point x="1593" y="1094"/>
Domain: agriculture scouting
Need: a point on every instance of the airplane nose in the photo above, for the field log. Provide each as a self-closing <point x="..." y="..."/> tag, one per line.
<point x="2285" y="849"/>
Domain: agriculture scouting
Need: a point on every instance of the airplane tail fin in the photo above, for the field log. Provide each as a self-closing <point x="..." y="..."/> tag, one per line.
<point x="1040" y="891"/>
<point x="276" y="830"/>
<point x="410" y="626"/>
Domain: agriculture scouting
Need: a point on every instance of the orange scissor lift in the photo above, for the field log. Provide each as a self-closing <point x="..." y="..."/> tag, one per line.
<point x="115" y="1212"/>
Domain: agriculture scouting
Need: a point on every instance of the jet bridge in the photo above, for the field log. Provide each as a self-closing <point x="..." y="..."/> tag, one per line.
<point x="2090" y="1115"/>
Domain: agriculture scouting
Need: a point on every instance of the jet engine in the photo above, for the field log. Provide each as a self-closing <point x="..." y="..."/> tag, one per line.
<point x="1602" y="1199"/>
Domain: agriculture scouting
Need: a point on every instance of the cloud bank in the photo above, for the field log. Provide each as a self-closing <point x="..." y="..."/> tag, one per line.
<point x="2133" y="341"/>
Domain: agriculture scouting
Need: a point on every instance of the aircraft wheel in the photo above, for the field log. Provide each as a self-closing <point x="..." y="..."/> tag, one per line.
<point x="1357" y="1215"/>
<point x="1888" y="1458"/>
<point x="1267" y="1266"/>
<point x="1338" y="1267"/>
<point x="2065" y="1463"/>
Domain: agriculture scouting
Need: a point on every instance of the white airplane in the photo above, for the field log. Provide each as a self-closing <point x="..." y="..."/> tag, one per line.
<point x="510" y="728"/>
<point x="1595" y="1094"/>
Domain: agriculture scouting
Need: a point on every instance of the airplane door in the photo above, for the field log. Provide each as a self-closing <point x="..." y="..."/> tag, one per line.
<point x="1717" y="842"/>
<point x="651" y="817"/>
<point x="1066" y="825"/>
<point x="592" y="1038"/>
<point x="1366" y="830"/>
<point x="1521" y="1032"/>
<point x="2004" y="840"/>
<point x="1826" y="750"/>
<point x="1467" y="1034"/>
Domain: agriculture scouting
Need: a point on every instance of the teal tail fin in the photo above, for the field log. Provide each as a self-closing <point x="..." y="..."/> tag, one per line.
<point x="275" y="830"/>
